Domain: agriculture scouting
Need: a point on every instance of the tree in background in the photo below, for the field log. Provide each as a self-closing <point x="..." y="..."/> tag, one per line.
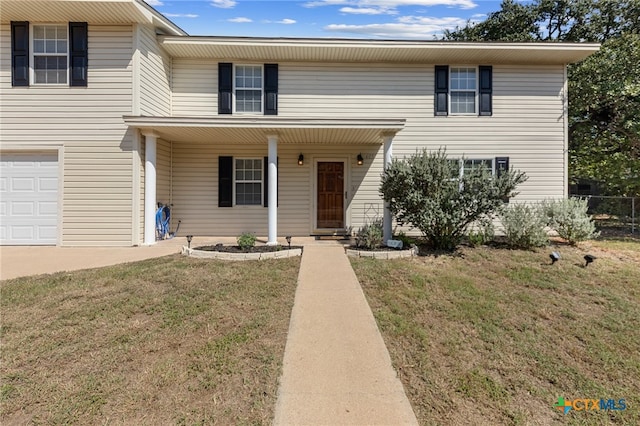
<point x="604" y="89"/>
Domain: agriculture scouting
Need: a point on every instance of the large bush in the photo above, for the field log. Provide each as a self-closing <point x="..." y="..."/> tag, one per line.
<point x="525" y="226"/>
<point x="570" y="220"/>
<point x="427" y="192"/>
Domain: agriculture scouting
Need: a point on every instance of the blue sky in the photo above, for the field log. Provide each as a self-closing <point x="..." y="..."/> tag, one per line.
<point x="376" y="19"/>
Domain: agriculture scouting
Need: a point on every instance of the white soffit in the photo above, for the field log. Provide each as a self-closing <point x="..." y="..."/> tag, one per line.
<point x="374" y="51"/>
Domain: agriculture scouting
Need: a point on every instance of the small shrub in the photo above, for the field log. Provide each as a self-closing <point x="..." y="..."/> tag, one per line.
<point x="482" y="233"/>
<point x="246" y="241"/>
<point x="524" y="226"/>
<point x="407" y="241"/>
<point x="370" y="235"/>
<point x="570" y="220"/>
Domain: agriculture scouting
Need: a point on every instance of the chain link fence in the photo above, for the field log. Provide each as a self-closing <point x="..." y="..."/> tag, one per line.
<point x="614" y="216"/>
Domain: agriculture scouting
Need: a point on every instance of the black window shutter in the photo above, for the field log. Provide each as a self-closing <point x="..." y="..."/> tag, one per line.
<point x="502" y="165"/>
<point x="19" y="53"/>
<point x="270" y="89"/>
<point x="486" y="89"/>
<point x="441" y="90"/>
<point x="225" y="88"/>
<point x="265" y="201"/>
<point x="225" y="181"/>
<point x="78" y="49"/>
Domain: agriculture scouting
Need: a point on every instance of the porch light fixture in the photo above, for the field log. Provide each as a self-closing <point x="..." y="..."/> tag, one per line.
<point x="189" y="238"/>
<point x="288" y="238"/>
<point x="300" y="160"/>
<point x="360" y="159"/>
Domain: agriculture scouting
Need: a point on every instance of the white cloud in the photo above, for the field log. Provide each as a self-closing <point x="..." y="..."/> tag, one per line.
<point x="286" y="21"/>
<point x="223" y="4"/>
<point x="240" y="20"/>
<point x="180" y="15"/>
<point x="422" y="27"/>
<point x="153" y="2"/>
<point x="386" y="6"/>
<point x="367" y="11"/>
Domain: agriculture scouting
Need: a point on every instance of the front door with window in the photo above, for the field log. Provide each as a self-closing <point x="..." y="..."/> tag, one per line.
<point x="330" y="203"/>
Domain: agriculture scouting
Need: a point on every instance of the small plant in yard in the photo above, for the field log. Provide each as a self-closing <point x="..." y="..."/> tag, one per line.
<point x="427" y="191"/>
<point x="370" y="235"/>
<point x="524" y="226"/>
<point x="246" y="241"/>
<point x="482" y="233"/>
<point x="570" y="220"/>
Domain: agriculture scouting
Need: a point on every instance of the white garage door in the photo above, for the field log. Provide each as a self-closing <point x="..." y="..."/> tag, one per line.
<point x="28" y="198"/>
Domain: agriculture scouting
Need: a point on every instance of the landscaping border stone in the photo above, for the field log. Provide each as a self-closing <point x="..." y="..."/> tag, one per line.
<point x="206" y="254"/>
<point x="395" y="254"/>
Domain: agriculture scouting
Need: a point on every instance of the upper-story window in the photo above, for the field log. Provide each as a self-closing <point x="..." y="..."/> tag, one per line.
<point x="248" y="88"/>
<point x="463" y="90"/>
<point x="49" y="60"/>
<point x="49" y="54"/>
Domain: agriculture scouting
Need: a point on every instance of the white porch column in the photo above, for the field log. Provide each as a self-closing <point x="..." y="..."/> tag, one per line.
<point x="386" y="216"/>
<point x="272" y="239"/>
<point x="151" y="140"/>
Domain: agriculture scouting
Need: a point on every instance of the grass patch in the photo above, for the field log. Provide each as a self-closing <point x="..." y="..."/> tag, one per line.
<point x="174" y="340"/>
<point x="495" y="336"/>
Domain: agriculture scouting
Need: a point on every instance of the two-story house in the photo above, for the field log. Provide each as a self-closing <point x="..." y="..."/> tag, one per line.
<point x="107" y="107"/>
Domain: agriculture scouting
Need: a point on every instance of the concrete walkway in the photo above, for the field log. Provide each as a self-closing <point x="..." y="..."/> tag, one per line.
<point x="337" y="370"/>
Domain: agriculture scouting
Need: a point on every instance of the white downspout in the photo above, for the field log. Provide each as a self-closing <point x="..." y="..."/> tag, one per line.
<point x="151" y="141"/>
<point x="386" y="216"/>
<point x="272" y="239"/>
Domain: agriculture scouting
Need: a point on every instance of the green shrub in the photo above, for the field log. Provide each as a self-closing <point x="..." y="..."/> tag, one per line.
<point x="246" y="241"/>
<point x="427" y="192"/>
<point x="483" y="232"/>
<point x="570" y="220"/>
<point x="524" y="226"/>
<point x="370" y="235"/>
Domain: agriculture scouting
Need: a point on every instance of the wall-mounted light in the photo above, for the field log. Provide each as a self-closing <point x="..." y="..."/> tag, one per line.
<point x="300" y="160"/>
<point x="360" y="159"/>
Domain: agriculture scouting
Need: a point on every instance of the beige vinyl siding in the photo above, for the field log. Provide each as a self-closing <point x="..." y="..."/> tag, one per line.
<point x="195" y="187"/>
<point x="163" y="172"/>
<point x="527" y="123"/>
<point x="527" y="126"/>
<point x="87" y="122"/>
<point x="155" y="75"/>
<point x="195" y="87"/>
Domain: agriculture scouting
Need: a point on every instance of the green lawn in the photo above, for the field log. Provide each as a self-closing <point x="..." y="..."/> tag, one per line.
<point x="495" y="336"/>
<point x="166" y="341"/>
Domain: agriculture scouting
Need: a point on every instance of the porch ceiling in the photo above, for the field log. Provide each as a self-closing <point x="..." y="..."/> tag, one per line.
<point x="255" y="130"/>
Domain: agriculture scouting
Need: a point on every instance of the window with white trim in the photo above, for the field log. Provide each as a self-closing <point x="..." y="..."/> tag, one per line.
<point x="50" y="54"/>
<point x="248" y="181"/>
<point x="474" y="164"/>
<point x="248" y="88"/>
<point x="463" y="92"/>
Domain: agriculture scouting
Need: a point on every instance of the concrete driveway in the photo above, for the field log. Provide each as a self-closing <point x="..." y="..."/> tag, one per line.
<point x="20" y="261"/>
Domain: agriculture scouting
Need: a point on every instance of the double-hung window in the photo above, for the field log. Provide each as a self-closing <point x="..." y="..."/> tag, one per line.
<point x="248" y="181"/>
<point x="463" y="90"/>
<point x="49" y="54"/>
<point x="50" y="59"/>
<point x="248" y="88"/>
<point x="472" y="164"/>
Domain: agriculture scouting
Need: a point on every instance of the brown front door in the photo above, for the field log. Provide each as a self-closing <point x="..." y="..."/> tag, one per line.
<point x="330" y="195"/>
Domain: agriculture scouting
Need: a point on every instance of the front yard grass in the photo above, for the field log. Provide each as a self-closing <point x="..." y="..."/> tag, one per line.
<point x="173" y="340"/>
<point x="495" y="336"/>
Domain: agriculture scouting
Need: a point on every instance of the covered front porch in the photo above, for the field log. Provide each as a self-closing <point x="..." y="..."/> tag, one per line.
<point x="266" y="175"/>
